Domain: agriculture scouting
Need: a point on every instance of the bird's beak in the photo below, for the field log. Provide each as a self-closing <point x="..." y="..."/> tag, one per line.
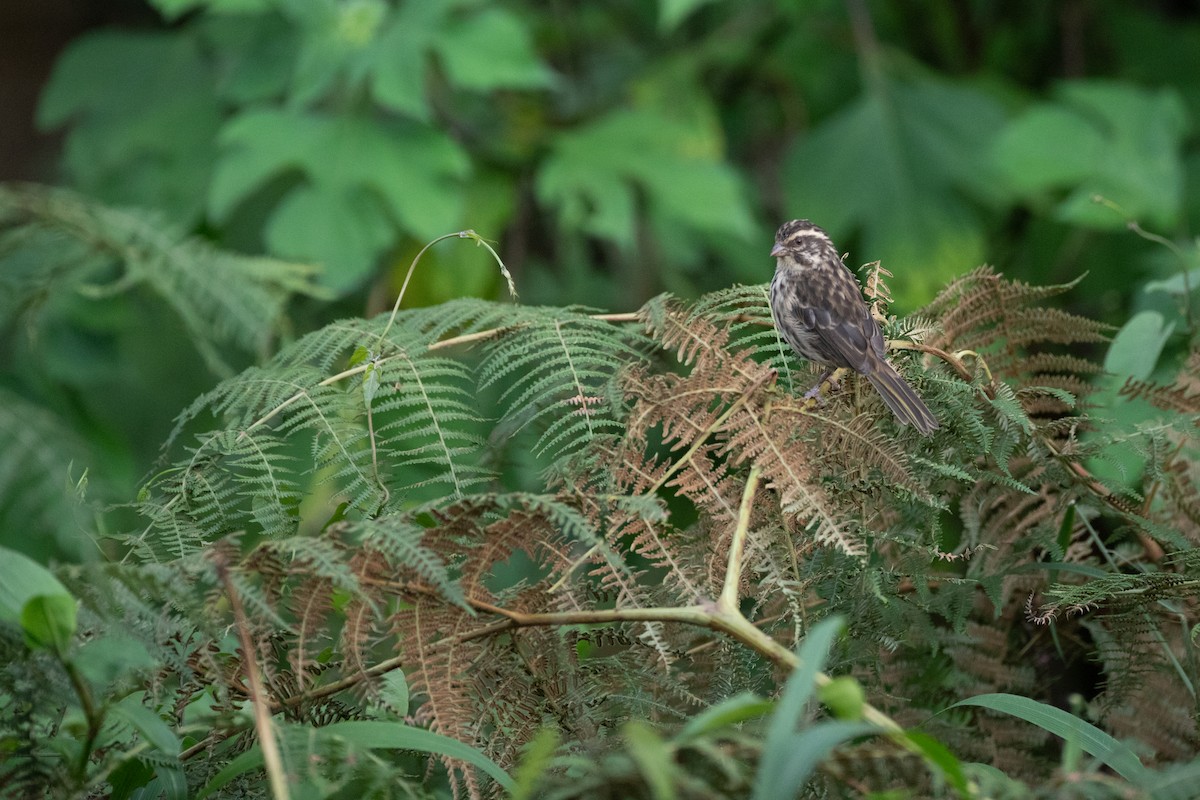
<point x="777" y="250"/>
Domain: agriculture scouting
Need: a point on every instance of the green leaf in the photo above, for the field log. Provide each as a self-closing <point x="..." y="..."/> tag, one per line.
<point x="22" y="579"/>
<point x="112" y="656"/>
<point x="370" y="384"/>
<point x="367" y="734"/>
<point x="147" y="723"/>
<point x="804" y="751"/>
<point x="1048" y="146"/>
<point x="380" y="735"/>
<point x="594" y="171"/>
<point x="1136" y="347"/>
<point x="1101" y="138"/>
<point x="739" y="708"/>
<point x="1099" y="744"/>
<point x="361" y="179"/>
<point x="490" y="50"/>
<point x="150" y="147"/>
<point x="653" y="756"/>
<point x="535" y="759"/>
<point x="49" y="622"/>
<point x="941" y="759"/>
<point x="895" y="166"/>
<point x="343" y="233"/>
<point x="394" y="692"/>
<point x="775" y="770"/>
<point x="360" y="354"/>
<point x="485" y="50"/>
<point x="673" y="12"/>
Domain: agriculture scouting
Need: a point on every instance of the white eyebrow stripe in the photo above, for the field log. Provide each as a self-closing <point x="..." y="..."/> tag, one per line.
<point x="801" y="234"/>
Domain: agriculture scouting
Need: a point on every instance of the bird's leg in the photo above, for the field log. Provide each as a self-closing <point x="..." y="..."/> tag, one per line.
<point x="815" y="392"/>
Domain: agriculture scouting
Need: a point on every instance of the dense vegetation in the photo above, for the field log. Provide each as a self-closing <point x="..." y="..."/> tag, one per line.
<point x="264" y="537"/>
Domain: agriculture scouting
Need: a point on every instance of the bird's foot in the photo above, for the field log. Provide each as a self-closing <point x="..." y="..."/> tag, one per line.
<point x="815" y="392"/>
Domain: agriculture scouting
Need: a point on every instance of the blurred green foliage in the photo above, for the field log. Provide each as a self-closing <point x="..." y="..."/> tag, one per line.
<point x="624" y="148"/>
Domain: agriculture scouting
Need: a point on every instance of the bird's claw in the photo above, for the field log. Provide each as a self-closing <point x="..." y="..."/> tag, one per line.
<point x="815" y="392"/>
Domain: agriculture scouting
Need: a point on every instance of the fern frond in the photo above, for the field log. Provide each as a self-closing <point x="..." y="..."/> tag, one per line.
<point x="983" y="312"/>
<point x="40" y="460"/>
<point x="222" y="298"/>
<point x="556" y="364"/>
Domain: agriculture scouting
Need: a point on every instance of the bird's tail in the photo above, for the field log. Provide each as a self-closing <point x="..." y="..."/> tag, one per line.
<point x="901" y="399"/>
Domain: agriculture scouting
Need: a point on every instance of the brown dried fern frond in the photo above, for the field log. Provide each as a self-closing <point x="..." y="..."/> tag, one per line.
<point x="1182" y="396"/>
<point x="986" y="313"/>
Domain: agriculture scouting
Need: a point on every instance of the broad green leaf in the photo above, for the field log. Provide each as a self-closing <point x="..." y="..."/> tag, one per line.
<point x="1177" y="284"/>
<point x="22" y="579"/>
<point x="1135" y="349"/>
<point x="1047" y="146"/>
<point x="400" y="58"/>
<point x="149" y="147"/>
<point x="490" y="50"/>
<point x="258" y="52"/>
<point x="49" y="621"/>
<point x="147" y="723"/>
<point x="1099" y="744"/>
<point x="112" y="656"/>
<point x="1117" y="141"/>
<point x="394" y="692"/>
<point x="896" y="165"/>
<point x="344" y="233"/>
<point x="804" y="751"/>
<point x="336" y="45"/>
<point x="367" y="734"/>
<point x="377" y="735"/>
<point x="936" y="754"/>
<point x="594" y="172"/>
<point x="361" y="179"/>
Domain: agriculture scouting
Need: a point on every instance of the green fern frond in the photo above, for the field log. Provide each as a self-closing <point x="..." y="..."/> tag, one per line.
<point x="426" y="422"/>
<point x="400" y="541"/>
<point x="557" y="364"/>
<point x="222" y="298"/>
<point x="40" y="461"/>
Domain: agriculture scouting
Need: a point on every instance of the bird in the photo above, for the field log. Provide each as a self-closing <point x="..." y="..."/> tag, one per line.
<point x="819" y="310"/>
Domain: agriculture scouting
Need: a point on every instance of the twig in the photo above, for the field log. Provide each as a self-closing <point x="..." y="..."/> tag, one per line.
<point x="258" y="697"/>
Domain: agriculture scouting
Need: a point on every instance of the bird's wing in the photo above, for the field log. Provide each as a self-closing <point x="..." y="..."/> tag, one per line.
<point x="843" y="324"/>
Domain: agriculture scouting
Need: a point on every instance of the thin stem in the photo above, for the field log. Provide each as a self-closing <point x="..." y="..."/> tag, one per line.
<point x="407" y="277"/>
<point x="272" y="760"/>
<point x="94" y="717"/>
<point x="1133" y="225"/>
<point x="467" y="234"/>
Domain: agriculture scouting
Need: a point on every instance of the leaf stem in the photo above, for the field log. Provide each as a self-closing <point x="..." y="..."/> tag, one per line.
<point x="263" y="712"/>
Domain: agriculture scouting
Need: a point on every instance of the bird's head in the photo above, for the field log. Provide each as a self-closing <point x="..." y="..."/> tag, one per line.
<point x="801" y="240"/>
